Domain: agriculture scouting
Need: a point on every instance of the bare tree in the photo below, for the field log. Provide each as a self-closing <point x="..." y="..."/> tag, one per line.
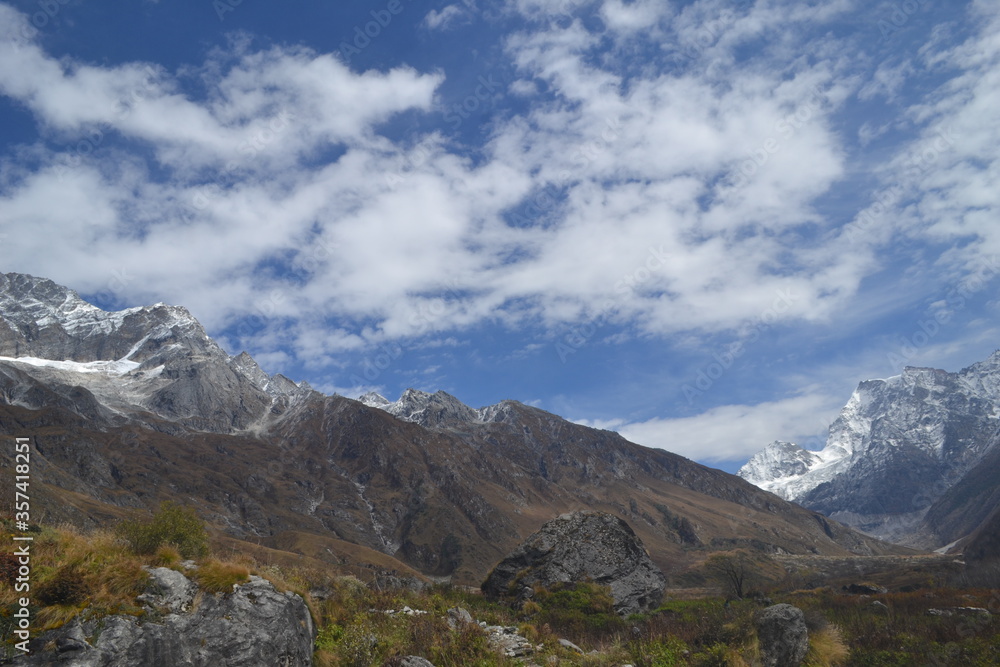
<point x="737" y="571"/>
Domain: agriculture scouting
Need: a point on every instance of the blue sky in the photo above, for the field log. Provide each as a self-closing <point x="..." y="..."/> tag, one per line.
<point x="697" y="223"/>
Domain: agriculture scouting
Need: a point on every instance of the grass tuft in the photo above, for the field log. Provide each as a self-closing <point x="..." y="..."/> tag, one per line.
<point x="215" y="576"/>
<point x="827" y="648"/>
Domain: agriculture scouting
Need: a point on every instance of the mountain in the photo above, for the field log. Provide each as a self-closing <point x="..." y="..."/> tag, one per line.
<point x="129" y="408"/>
<point x="910" y="459"/>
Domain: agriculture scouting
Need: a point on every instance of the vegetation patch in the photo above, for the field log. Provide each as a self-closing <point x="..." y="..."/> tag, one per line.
<point x="218" y="577"/>
<point x="172" y="525"/>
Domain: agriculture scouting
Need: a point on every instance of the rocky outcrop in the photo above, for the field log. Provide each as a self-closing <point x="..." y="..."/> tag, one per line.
<point x="254" y="625"/>
<point x="583" y="546"/>
<point x="783" y="636"/>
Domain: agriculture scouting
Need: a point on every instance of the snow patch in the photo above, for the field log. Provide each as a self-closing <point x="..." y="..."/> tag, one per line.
<point x="119" y="367"/>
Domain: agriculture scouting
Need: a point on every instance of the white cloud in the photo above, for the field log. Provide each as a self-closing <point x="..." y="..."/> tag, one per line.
<point x="737" y="432"/>
<point x="672" y="199"/>
<point x="446" y="18"/>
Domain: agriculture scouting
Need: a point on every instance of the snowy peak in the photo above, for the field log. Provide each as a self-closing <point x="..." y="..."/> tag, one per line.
<point x="44" y="320"/>
<point x="910" y="436"/>
<point x="375" y="400"/>
<point x="778" y="460"/>
<point x="439" y="409"/>
<point x="156" y="359"/>
<point x="432" y="410"/>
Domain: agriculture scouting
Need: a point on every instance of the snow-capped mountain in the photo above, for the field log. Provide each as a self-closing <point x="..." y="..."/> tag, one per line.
<point x="129" y="408"/>
<point x="898" y="445"/>
<point x="437" y="409"/>
<point x="157" y="358"/>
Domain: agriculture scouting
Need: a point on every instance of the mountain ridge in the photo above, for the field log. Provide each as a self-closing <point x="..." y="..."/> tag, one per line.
<point x="439" y="487"/>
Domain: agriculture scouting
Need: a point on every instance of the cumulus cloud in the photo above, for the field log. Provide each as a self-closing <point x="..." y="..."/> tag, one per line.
<point x="680" y="196"/>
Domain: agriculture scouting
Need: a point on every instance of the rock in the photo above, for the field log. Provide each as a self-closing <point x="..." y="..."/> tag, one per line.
<point x="507" y="641"/>
<point x="784" y="639"/>
<point x="960" y="611"/>
<point x="415" y="661"/>
<point x="878" y="604"/>
<point x="168" y="590"/>
<point x="565" y="643"/>
<point x="254" y="625"/>
<point x="583" y="546"/>
<point x="459" y="617"/>
<point x="865" y="589"/>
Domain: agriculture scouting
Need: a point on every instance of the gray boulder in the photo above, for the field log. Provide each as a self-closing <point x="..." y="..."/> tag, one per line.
<point x="254" y="625"/>
<point x="783" y="636"/>
<point x="583" y="546"/>
<point x="415" y="661"/>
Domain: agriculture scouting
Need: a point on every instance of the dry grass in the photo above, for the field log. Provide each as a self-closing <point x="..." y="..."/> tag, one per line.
<point x="72" y="571"/>
<point x="827" y="648"/>
<point x="216" y="576"/>
<point x="167" y="555"/>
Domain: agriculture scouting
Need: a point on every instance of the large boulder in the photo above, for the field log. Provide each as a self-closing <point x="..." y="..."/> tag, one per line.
<point x="583" y="546"/>
<point x="783" y="636"/>
<point x="254" y="625"/>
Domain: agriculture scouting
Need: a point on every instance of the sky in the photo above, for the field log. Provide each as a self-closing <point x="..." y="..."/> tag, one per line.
<point x="700" y="224"/>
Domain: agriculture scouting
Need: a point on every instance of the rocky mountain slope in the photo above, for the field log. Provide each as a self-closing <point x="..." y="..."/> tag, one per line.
<point x="910" y="459"/>
<point x="129" y="408"/>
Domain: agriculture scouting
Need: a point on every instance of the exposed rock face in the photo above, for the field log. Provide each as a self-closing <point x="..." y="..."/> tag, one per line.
<point x="894" y="452"/>
<point x="583" y="546"/>
<point x="157" y="358"/>
<point x="430" y="410"/>
<point x="784" y="638"/>
<point x="252" y="626"/>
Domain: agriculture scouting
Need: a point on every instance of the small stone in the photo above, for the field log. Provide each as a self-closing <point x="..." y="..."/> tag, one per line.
<point x="459" y="617"/>
<point x="415" y="661"/>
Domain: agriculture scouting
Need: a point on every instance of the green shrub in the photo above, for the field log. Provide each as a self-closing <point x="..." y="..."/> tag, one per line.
<point x="329" y="636"/>
<point x="583" y="609"/>
<point x="173" y="525"/>
<point x="669" y="652"/>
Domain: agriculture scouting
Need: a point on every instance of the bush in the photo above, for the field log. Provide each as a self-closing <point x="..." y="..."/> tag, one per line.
<point x="171" y="525"/>
<point x="65" y="587"/>
<point x="582" y="609"/>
